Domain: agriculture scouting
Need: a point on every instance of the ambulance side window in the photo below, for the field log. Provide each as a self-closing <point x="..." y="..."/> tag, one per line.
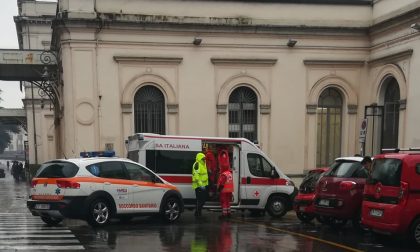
<point x="259" y="166"/>
<point x="170" y="162"/>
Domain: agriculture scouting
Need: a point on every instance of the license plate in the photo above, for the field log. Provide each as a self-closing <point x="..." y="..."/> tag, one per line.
<point x="42" y="206"/>
<point x="324" y="202"/>
<point x="376" y="212"/>
<point x="302" y="209"/>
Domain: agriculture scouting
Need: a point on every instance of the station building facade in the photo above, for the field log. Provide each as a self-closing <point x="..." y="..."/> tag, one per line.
<point x="298" y="78"/>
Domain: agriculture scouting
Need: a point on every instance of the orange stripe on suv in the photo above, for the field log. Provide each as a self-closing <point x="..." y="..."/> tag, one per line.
<point x="103" y="180"/>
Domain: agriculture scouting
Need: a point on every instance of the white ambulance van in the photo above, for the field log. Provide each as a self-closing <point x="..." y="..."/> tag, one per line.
<point x="259" y="185"/>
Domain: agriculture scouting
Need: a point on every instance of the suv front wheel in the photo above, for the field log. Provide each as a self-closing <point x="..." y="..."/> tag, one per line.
<point x="171" y="209"/>
<point x="99" y="213"/>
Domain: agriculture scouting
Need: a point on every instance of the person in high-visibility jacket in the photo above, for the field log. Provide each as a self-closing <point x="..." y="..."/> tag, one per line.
<point x="200" y="181"/>
<point x="225" y="183"/>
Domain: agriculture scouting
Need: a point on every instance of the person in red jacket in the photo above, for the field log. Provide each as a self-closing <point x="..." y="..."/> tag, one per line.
<point x="225" y="183"/>
<point x="211" y="168"/>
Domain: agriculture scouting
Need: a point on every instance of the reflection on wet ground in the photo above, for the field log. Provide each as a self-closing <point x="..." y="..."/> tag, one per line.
<point x="239" y="234"/>
<point x="243" y="232"/>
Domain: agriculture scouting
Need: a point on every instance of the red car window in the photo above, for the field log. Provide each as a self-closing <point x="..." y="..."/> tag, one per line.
<point x="387" y="171"/>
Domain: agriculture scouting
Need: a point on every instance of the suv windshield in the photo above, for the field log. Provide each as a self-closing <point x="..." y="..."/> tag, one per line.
<point x="346" y="169"/>
<point x="57" y="169"/>
<point x="387" y="171"/>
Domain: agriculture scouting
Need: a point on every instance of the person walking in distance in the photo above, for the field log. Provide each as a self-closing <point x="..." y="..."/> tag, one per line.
<point x="225" y="183"/>
<point x="200" y="181"/>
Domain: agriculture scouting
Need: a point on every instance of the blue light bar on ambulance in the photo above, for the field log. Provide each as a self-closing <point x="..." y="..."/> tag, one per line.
<point x="87" y="154"/>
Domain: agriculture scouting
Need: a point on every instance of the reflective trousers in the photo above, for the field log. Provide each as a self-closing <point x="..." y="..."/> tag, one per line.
<point x="225" y="199"/>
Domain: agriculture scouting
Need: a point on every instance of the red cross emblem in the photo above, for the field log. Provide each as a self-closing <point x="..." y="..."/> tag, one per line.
<point x="256" y="193"/>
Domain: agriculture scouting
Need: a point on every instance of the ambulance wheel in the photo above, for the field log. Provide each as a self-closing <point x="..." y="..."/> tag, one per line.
<point x="171" y="209"/>
<point x="277" y="206"/>
<point x="99" y="213"/>
<point x="305" y="217"/>
<point x="51" y="221"/>
<point x="415" y="232"/>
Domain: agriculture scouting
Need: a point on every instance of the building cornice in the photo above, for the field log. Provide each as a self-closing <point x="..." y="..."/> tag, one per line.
<point x="334" y="2"/>
<point x="203" y="25"/>
<point x="391" y="58"/>
<point x="150" y="60"/>
<point x="385" y="24"/>
<point x="243" y="61"/>
<point x="326" y="62"/>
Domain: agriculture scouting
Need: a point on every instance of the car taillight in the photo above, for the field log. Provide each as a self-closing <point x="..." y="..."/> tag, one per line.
<point x="65" y="184"/>
<point x="34" y="183"/>
<point x="403" y="196"/>
<point x="347" y="185"/>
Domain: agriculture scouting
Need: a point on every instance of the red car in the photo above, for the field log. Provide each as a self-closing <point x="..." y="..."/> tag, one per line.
<point x="339" y="193"/>
<point x="304" y="201"/>
<point x="391" y="202"/>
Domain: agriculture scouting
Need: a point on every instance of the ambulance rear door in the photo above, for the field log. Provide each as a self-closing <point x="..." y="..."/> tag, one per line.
<point x="236" y="151"/>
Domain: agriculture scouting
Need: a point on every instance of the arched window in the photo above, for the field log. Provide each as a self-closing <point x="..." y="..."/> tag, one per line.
<point x="391" y="114"/>
<point x="243" y="113"/>
<point x="149" y="110"/>
<point x="329" y="120"/>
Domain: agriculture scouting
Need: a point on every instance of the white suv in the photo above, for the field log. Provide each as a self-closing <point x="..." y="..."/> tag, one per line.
<point x="97" y="189"/>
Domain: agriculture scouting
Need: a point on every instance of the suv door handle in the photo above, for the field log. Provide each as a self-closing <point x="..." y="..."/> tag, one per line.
<point x="248" y="180"/>
<point x="107" y="183"/>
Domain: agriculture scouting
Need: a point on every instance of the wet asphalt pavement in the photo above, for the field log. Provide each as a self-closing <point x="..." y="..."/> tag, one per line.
<point x="243" y="232"/>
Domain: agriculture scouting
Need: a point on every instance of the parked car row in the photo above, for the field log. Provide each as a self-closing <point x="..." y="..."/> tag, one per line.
<point x="386" y="201"/>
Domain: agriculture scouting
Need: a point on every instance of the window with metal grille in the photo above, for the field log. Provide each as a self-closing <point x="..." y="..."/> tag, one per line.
<point x="149" y="110"/>
<point x="391" y="114"/>
<point x="329" y="120"/>
<point x="243" y="113"/>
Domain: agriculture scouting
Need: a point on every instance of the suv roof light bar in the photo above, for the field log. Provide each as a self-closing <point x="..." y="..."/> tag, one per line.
<point x="88" y="154"/>
<point x="396" y="150"/>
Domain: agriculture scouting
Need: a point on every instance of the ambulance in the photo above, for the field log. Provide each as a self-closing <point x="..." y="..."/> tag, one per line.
<point x="259" y="185"/>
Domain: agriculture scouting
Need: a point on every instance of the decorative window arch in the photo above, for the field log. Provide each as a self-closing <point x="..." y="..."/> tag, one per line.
<point x="243" y="113"/>
<point x="390" y="91"/>
<point x="329" y="126"/>
<point x="391" y="103"/>
<point x="149" y="110"/>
